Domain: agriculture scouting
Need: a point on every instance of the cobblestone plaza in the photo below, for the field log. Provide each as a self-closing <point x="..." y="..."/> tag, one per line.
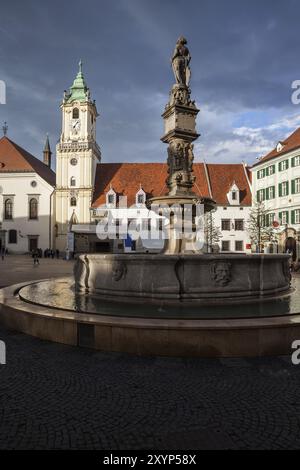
<point x="54" y="396"/>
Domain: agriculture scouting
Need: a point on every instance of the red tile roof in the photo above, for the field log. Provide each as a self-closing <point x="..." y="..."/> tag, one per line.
<point x="290" y="143"/>
<point x="222" y="177"/>
<point x="126" y="179"/>
<point x="15" y="159"/>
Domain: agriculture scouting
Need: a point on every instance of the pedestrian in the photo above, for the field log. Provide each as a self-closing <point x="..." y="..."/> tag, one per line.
<point x="2" y="252"/>
<point x="57" y="254"/>
<point x="35" y="256"/>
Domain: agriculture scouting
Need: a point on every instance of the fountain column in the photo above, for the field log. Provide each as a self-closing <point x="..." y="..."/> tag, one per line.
<point x="179" y="132"/>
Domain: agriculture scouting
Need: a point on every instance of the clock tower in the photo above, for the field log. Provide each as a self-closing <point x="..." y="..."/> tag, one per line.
<point x="77" y="155"/>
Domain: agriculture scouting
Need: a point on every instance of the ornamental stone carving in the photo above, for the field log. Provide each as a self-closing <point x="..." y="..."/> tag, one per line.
<point x="221" y="273"/>
<point x="119" y="271"/>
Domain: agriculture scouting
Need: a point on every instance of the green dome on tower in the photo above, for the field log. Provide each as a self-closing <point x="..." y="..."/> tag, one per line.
<point x="79" y="90"/>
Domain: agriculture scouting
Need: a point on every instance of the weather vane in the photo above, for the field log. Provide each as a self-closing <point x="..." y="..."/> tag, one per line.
<point x="5" y="128"/>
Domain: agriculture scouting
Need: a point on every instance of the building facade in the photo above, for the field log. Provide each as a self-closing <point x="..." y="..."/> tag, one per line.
<point x="26" y="199"/>
<point x="276" y="183"/>
<point x="228" y="185"/>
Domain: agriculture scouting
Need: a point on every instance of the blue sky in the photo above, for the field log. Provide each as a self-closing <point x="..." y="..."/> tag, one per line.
<point x="245" y="56"/>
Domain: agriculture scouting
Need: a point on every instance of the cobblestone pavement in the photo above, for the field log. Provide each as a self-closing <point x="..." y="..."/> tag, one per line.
<point x="57" y="396"/>
<point x="15" y="269"/>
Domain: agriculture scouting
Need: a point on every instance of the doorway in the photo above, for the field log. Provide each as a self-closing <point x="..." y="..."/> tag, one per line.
<point x="33" y="243"/>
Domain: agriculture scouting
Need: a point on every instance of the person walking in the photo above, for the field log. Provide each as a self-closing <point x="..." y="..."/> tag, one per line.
<point x="2" y="252"/>
<point x="36" y="260"/>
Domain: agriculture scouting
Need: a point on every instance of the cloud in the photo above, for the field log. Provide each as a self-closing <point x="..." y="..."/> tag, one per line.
<point x="244" y="59"/>
<point x="226" y="143"/>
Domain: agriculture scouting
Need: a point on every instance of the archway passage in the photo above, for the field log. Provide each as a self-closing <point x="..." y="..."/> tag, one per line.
<point x="291" y="246"/>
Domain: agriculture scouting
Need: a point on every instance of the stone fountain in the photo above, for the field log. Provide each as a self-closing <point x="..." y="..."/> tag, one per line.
<point x="180" y="302"/>
<point x="181" y="273"/>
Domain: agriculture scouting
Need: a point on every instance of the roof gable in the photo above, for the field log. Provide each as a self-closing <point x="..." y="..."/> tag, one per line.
<point x="15" y="159"/>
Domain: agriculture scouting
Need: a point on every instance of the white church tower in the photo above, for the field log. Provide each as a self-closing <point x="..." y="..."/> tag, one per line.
<point x="77" y="155"/>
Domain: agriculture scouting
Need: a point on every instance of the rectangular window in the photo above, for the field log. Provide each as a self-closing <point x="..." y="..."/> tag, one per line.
<point x="270" y="170"/>
<point x="239" y="245"/>
<point x="283" y="165"/>
<point x="111" y="199"/>
<point x="12" y="237"/>
<point x="225" y="245"/>
<point x="284" y="188"/>
<point x="261" y="174"/>
<point x="225" y="224"/>
<point x="297" y="216"/>
<point x="270" y="192"/>
<point x="284" y="218"/>
<point x="296" y="161"/>
<point x="297" y="185"/>
<point x="270" y="219"/>
<point x="261" y="195"/>
<point x="239" y="224"/>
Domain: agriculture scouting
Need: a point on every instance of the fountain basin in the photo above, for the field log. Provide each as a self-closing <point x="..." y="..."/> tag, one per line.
<point x="271" y="329"/>
<point x="163" y="279"/>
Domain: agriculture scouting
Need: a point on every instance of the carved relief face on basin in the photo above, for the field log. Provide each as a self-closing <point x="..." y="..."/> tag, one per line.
<point x="119" y="271"/>
<point x="221" y="273"/>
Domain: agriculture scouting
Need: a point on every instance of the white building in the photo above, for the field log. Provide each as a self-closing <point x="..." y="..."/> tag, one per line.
<point x="26" y="199"/>
<point x="228" y="185"/>
<point x="276" y="182"/>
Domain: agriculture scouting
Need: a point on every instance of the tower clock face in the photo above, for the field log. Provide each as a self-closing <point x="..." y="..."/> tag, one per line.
<point x="75" y="126"/>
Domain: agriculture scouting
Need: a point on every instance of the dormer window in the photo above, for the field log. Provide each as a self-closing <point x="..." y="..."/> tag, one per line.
<point x="233" y="195"/>
<point x="111" y="198"/>
<point x="279" y="147"/>
<point x="140" y="198"/>
<point x="75" y="114"/>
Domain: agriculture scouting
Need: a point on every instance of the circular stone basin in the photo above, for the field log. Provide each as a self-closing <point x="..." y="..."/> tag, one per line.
<point x="185" y="278"/>
<point x="61" y="294"/>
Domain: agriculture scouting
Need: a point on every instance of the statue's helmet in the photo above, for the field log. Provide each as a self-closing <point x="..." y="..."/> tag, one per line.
<point x="181" y="40"/>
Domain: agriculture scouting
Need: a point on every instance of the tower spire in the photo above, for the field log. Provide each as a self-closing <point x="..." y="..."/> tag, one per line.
<point x="47" y="152"/>
<point x="5" y="128"/>
<point x="79" y="91"/>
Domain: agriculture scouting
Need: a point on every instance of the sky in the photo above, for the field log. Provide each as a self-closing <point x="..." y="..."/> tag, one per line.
<point x="245" y="56"/>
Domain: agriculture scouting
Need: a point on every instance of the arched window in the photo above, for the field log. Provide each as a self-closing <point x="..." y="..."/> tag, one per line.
<point x="73" y="201"/>
<point x="12" y="236"/>
<point x="33" y="209"/>
<point x="73" y="181"/>
<point x="8" y="209"/>
<point x="75" y="113"/>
